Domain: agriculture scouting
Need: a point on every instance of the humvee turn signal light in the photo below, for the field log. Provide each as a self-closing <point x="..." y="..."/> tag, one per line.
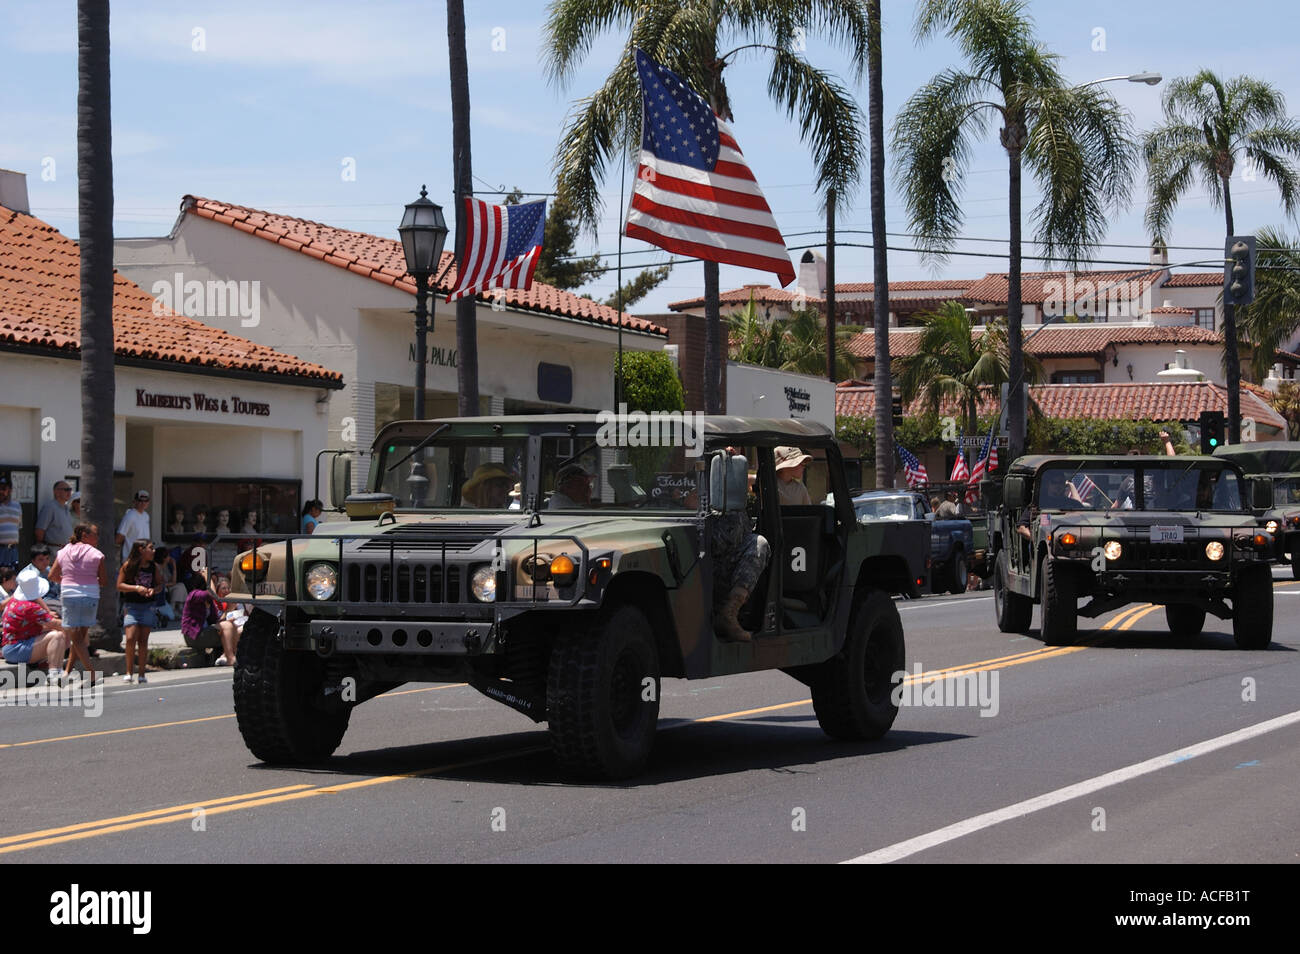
<point x="563" y="570"/>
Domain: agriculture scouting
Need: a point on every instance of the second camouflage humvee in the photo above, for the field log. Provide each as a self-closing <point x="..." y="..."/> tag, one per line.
<point x="1272" y="470"/>
<point x="569" y="612"/>
<point x="1119" y="530"/>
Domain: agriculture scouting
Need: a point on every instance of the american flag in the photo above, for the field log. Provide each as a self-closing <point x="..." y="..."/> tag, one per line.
<point x="1081" y="491"/>
<point x="502" y="245"/>
<point x="959" y="472"/>
<point x="695" y="195"/>
<point x="982" y="467"/>
<point x="913" y="468"/>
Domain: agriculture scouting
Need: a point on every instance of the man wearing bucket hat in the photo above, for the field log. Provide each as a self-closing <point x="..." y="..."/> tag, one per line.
<point x="31" y="632"/>
<point x="488" y="488"/>
<point x="790" y="464"/>
<point x="572" y="488"/>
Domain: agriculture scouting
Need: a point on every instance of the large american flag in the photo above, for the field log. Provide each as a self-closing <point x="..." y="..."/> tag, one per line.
<point x="985" y="465"/>
<point x="695" y="194"/>
<point x="502" y="245"/>
<point x="913" y="469"/>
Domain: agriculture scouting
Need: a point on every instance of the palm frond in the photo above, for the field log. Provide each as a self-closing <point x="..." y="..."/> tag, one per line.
<point x="571" y="28"/>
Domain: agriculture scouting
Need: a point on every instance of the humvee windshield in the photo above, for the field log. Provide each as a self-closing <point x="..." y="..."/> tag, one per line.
<point x="884" y="508"/>
<point x="1286" y="491"/>
<point x="454" y="473"/>
<point x="1176" y="486"/>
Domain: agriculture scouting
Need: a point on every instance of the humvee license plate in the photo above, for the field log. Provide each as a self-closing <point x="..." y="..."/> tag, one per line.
<point x="1164" y="534"/>
<point x="270" y="589"/>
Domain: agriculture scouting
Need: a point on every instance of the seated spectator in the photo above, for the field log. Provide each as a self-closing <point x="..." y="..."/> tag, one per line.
<point x="41" y="563"/>
<point x="203" y="612"/>
<point x="164" y="580"/>
<point x="488" y="488"/>
<point x="8" y="583"/>
<point x="31" y="632"/>
<point x="572" y="488"/>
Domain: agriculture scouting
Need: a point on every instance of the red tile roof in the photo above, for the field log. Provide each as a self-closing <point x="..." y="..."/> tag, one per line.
<point x="40" y="307"/>
<point x="767" y="294"/>
<point x="381" y="259"/>
<point x="1038" y="287"/>
<point x="1194" y="280"/>
<point x="1053" y="340"/>
<point x="1171" y="310"/>
<point x="941" y="284"/>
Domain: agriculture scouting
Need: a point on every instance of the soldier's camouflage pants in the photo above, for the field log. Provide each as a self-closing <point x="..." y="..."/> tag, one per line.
<point x="739" y="554"/>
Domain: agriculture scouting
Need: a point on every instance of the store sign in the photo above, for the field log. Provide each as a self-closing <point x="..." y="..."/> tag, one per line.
<point x="800" y="400"/>
<point x="197" y="401"/>
<point x="443" y="357"/>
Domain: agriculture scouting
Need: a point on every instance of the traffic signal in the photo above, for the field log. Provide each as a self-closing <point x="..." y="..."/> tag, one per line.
<point x="898" y="409"/>
<point x="1239" y="270"/>
<point x="1212" y="430"/>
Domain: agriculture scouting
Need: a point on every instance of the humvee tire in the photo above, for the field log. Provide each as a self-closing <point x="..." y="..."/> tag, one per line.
<point x="274" y="691"/>
<point x="601" y="723"/>
<point x="1185" y="621"/>
<point x="956" y="571"/>
<point x="1059" y="605"/>
<point x="1295" y="563"/>
<point x="853" y="690"/>
<point x="1014" y="612"/>
<point x="1252" y="609"/>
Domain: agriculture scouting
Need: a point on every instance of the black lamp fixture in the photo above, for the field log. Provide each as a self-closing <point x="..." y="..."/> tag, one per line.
<point x="424" y="232"/>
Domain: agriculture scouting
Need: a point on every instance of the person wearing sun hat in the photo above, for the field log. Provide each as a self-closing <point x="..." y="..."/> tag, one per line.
<point x="31" y="632"/>
<point x="488" y="488"/>
<point x="790" y="464"/>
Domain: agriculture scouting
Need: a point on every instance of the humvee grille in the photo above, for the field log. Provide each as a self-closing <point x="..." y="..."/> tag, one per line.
<point x="1167" y="555"/>
<point x="416" y="583"/>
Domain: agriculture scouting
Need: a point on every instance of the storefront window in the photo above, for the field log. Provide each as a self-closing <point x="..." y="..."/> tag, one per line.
<point x="230" y="506"/>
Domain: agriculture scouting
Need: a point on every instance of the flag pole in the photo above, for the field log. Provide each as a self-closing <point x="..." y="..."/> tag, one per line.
<point x="618" y="295"/>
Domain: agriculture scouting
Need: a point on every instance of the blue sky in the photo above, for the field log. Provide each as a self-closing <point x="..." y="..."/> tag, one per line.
<point x="282" y="95"/>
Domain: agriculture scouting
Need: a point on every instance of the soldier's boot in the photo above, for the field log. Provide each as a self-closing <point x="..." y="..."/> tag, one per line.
<point x="726" y="621"/>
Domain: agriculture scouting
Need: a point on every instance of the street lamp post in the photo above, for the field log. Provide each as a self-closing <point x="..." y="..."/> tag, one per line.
<point x="1151" y="79"/>
<point x="423" y="231"/>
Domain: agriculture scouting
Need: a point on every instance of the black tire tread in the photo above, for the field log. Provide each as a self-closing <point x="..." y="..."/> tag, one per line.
<point x="1185" y="621"/>
<point x="1060" y="607"/>
<point x="1017" y="611"/>
<point x="1252" y="608"/>
<point x="840" y="703"/>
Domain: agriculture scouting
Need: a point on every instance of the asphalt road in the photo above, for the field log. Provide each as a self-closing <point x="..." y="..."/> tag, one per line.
<point x="1127" y="749"/>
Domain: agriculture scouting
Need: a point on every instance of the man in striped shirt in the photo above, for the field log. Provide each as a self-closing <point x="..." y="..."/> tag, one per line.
<point x="11" y="521"/>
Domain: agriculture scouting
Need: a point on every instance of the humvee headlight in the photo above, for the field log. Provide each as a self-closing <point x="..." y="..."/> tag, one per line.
<point x="1112" y="550"/>
<point x="563" y="570"/>
<point x="1214" y="550"/>
<point x="483" y="584"/>
<point x="322" y="580"/>
<point x="1271" y="526"/>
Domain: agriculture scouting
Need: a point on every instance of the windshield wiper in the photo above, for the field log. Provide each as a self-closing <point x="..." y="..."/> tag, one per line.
<point x="418" y="447"/>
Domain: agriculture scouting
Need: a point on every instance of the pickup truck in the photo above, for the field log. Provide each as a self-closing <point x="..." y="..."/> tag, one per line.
<point x="952" y="542"/>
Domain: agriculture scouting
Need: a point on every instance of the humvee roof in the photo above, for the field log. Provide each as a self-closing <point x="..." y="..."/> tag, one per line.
<point x="1036" y="462"/>
<point x="1264" y="457"/>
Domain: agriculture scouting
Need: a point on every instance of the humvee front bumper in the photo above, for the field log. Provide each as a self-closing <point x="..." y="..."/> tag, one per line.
<point x="420" y="637"/>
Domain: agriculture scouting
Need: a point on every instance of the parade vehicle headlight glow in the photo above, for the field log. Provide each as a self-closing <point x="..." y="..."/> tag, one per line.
<point x="1112" y="550"/>
<point x="1214" y="550"/>
<point x="563" y="570"/>
<point x="483" y="584"/>
<point x="322" y="580"/>
<point x="1271" y="526"/>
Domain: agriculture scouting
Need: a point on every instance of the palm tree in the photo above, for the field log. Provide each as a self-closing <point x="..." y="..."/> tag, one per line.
<point x="1075" y="141"/>
<point x="95" y="228"/>
<point x="463" y="174"/>
<point x="955" y="362"/>
<point x="805" y="338"/>
<point x="688" y="37"/>
<point x="1273" y="318"/>
<point x="1209" y="126"/>
<point x="755" y="339"/>
<point x="879" y="252"/>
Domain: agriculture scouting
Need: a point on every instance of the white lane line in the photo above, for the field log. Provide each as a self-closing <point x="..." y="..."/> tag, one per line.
<point x="922" y="604"/>
<point x="970" y="825"/>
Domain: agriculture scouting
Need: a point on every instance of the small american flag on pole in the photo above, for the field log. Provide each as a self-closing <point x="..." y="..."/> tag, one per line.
<point x="914" y="470"/>
<point x="502" y="245"/>
<point x="959" y="472"/>
<point x="989" y="453"/>
<point x="1081" y="491"/>
<point x="695" y="194"/>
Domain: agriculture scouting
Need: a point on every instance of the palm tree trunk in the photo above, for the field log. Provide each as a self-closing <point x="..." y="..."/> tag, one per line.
<point x="462" y="172"/>
<point x="830" y="285"/>
<point x="1015" y="342"/>
<point x="95" y="225"/>
<point x="1230" y="338"/>
<point x="879" y="254"/>
<point x="712" y="356"/>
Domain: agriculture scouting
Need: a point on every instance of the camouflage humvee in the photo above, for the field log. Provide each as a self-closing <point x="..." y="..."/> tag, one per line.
<point x="1168" y="530"/>
<point x="1272" y="470"/>
<point x="570" y="614"/>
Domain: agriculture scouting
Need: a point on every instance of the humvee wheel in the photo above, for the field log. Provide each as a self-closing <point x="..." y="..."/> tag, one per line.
<point x="1252" y="609"/>
<point x="1059" y="605"/>
<point x="274" y="694"/>
<point x="853" y="692"/>
<point x="957" y="574"/>
<point x="1185" y="621"/>
<point x="601" y="711"/>
<point x="1014" y="612"/>
<point x="1295" y="563"/>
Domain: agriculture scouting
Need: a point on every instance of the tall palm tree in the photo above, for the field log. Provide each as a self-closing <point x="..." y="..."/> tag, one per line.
<point x="1273" y="318"/>
<point x="95" y="237"/>
<point x="955" y="362"/>
<point x="879" y="253"/>
<point x="806" y="347"/>
<point x="1075" y="141"/>
<point x="690" y="37"/>
<point x="1209" y="127"/>
<point x="463" y="174"/>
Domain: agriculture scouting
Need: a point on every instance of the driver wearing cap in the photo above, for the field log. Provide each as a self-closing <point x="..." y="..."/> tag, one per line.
<point x="572" y="488"/>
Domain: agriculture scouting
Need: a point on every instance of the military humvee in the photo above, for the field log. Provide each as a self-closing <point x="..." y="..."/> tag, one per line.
<point x="1168" y="530"/>
<point x="1272" y="470"/>
<point x="569" y="612"/>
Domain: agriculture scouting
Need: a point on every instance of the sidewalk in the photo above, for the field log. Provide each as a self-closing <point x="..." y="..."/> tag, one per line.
<point x="114" y="664"/>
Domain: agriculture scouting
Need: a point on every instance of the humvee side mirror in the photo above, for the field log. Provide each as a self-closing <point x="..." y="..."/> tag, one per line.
<point x="1013" y="492"/>
<point x="340" y="479"/>
<point x="991" y="491"/>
